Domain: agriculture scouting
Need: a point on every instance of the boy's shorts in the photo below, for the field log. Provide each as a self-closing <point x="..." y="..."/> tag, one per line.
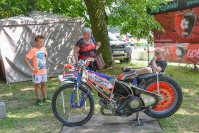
<point x="39" y="78"/>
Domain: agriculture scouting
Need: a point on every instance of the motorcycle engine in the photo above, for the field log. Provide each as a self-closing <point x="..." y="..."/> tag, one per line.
<point x="123" y="107"/>
<point x="130" y="105"/>
<point x="109" y="108"/>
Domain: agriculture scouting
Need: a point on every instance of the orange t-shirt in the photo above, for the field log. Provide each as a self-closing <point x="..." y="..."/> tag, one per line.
<point x="39" y="60"/>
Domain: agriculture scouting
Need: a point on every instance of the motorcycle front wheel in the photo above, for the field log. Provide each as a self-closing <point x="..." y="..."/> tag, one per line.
<point x="71" y="106"/>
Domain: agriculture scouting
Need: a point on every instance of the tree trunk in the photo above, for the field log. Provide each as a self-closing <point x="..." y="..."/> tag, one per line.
<point x="96" y="12"/>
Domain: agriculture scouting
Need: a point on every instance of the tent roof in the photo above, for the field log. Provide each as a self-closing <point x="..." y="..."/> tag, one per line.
<point x="37" y="18"/>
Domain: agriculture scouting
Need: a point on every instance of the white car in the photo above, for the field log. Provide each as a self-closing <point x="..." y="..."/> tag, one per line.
<point x="120" y="49"/>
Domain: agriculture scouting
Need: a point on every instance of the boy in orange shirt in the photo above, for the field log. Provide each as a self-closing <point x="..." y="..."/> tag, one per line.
<point x="38" y="55"/>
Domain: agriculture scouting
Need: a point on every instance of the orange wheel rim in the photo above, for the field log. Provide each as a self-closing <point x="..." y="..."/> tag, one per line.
<point x="168" y="94"/>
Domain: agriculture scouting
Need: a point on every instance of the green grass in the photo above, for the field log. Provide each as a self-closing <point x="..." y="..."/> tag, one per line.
<point x="24" y="116"/>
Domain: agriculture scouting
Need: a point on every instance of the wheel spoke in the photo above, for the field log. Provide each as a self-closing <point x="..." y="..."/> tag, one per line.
<point x="167" y="92"/>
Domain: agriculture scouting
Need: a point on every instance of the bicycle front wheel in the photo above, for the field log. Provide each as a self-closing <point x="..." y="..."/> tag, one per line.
<point x="72" y="106"/>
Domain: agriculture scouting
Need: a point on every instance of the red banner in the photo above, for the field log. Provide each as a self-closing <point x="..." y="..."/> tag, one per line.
<point x="192" y="55"/>
<point x="180" y="26"/>
<point x="174" y="52"/>
<point x="180" y="52"/>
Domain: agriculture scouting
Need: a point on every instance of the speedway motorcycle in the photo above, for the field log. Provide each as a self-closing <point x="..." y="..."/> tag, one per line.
<point x="155" y="94"/>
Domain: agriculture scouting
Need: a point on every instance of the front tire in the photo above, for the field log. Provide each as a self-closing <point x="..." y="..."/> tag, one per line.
<point x="172" y="97"/>
<point x="128" y="60"/>
<point x="121" y="61"/>
<point x="64" y="111"/>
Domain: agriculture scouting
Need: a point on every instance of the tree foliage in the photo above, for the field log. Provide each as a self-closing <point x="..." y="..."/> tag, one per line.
<point x="71" y="8"/>
<point x="131" y="16"/>
<point x="9" y="8"/>
<point x="128" y="15"/>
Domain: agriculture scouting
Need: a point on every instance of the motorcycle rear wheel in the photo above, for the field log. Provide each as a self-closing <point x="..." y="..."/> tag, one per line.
<point x="62" y="106"/>
<point x="172" y="93"/>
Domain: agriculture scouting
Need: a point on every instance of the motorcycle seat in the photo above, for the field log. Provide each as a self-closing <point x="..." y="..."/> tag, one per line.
<point x="128" y="75"/>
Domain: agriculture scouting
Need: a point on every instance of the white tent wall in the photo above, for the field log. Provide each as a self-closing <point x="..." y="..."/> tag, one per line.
<point x="17" y="39"/>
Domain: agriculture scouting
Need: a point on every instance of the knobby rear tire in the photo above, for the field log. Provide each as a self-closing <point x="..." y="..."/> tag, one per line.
<point x="171" y="90"/>
<point x="69" y="111"/>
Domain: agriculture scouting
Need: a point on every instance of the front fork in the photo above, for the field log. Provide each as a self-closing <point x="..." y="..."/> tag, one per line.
<point x="77" y="93"/>
<point x="80" y="97"/>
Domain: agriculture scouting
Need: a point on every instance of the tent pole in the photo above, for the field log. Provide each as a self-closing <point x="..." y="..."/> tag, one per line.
<point x="11" y="94"/>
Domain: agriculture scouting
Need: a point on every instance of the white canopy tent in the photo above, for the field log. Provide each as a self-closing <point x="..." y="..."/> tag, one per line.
<point x="17" y="38"/>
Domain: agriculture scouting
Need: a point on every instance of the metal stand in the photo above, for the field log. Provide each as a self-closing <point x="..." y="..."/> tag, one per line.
<point x="61" y="128"/>
<point x="148" y="51"/>
<point x="195" y="68"/>
<point x="138" y="121"/>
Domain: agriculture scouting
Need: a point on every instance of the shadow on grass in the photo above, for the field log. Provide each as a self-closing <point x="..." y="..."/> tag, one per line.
<point x="31" y="119"/>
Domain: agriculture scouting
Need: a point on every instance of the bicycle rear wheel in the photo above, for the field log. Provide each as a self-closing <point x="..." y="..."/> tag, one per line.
<point x="71" y="106"/>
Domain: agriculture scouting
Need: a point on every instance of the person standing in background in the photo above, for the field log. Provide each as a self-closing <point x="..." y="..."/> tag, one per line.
<point x="86" y="48"/>
<point x="38" y="55"/>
